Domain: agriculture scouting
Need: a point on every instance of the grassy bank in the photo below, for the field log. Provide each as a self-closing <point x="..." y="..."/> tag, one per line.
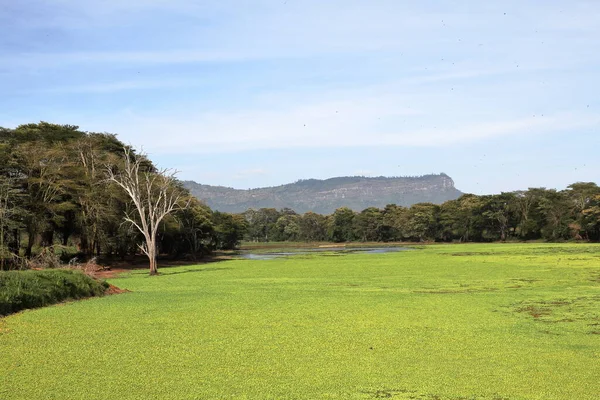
<point x="20" y="290"/>
<point x="515" y="321"/>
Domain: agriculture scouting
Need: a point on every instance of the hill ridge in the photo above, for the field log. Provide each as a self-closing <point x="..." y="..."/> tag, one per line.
<point x="325" y="195"/>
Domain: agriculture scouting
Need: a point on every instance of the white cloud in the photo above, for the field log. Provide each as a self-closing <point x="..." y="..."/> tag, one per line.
<point x="357" y="121"/>
<point x="231" y="31"/>
<point x="415" y="110"/>
<point x="119" y="86"/>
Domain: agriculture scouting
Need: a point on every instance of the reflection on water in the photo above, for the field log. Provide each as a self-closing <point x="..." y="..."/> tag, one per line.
<point x="360" y="250"/>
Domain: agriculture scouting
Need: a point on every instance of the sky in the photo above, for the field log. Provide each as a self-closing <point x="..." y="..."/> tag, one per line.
<point x="500" y="95"/>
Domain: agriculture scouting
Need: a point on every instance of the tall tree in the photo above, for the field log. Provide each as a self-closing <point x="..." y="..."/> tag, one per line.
<point x="498" y="212"/>
<point x="154" y="195"/>
<point x="286" y="228"/>
<point x="423" y="221"/>
<point x="592" y="218"/>
<point x="555" y="209"/>
<point x="394" y="222"/>
<point x="368" y="225"/>
<point x="582" y="195"/>
<point x="261" y="224"/>
<point x="229" y="230"/>
<point x="341" y="228"/>
<point x="312" y="227"/>
<point x="195" y="228"/>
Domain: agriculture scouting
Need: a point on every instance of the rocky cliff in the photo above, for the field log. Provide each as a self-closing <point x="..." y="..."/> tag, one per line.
<point x="324" y="196"/>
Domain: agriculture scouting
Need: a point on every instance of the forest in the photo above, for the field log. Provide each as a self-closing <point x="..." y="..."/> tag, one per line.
<point x="56" y="196"/>
<point x="533" y="214"/>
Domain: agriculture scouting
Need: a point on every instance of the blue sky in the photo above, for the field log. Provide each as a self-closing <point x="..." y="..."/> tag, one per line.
<point x="500" y="95"/>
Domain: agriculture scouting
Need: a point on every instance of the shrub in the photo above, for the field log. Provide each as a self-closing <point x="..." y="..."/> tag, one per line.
<point x="46" y="259"/>
<point x="20" y="290"/>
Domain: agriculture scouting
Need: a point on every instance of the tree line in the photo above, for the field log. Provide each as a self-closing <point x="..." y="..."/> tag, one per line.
<point x="533" y="214"/>
<point x="61" y="191"/>
<point x="56" y="194"/>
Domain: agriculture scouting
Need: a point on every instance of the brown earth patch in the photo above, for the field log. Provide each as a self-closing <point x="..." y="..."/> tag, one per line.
<point x="456" y="291"/>
<point x="343" y="284"/>
<point x="534" y="311"/>
<point x="525" y="280"/>
<point x="467" y="254"/>
<point x="554" y="311"/>
<point x="115" y="268"/>
<point x="111" y="272"/>
<point x="112" y="289"/>
<point x="414" y="395"/>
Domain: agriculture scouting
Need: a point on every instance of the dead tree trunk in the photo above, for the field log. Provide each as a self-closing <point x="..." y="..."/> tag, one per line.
<point x="154" y="195"/>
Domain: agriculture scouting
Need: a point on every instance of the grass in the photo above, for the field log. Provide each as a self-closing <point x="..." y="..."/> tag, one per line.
<point x="515" y="321"/>
<point x="20" y="290"/>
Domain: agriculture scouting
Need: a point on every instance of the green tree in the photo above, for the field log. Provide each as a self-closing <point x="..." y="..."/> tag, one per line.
<point x="582" y="196"/>
<point x="312" y="227"/>
<point x="394" y="221"/>
<point x="451" y="224"/>
<point x="287" y="228"/>
<point x="229" y="229"/>
<point x="368" y="225"/>
<point x="341" y="227"/>
<point x="591" y="215"/>
<point x="422" y="222"/>
<point x="261" y="224"/>
<point x="498" y="212"/>
<point x="554" y="207"/>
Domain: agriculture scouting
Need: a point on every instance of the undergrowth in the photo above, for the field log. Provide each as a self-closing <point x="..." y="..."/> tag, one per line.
<point x="21" y="290"/>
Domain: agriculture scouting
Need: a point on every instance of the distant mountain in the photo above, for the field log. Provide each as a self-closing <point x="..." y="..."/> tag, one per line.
<point x="324" y="196"/>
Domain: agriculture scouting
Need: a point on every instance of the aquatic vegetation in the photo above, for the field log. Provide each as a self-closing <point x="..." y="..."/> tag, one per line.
<point x="500" y="321"/>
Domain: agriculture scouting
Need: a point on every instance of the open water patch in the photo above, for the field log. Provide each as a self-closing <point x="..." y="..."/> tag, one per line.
<point x="248" y="255"/>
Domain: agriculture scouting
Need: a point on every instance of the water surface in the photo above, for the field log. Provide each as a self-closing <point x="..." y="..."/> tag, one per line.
<point x="250" y="255"/>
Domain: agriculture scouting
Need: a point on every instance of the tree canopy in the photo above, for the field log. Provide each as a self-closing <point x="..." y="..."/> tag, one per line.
<point x="533" y="214"/>
<point x="55" y="193"/>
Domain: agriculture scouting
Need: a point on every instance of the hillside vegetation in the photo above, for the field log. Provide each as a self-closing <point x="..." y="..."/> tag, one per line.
<point x="325" y="196"/>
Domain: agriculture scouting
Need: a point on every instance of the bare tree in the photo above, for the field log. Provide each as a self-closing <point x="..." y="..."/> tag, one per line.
<point x="154" y="195"/>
